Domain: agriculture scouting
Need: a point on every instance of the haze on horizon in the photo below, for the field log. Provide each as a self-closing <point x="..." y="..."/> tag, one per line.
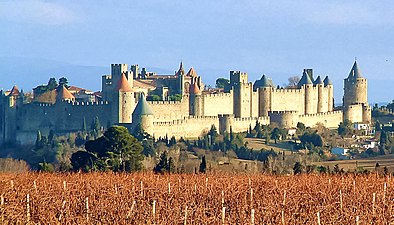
<point x="278" y="38"/>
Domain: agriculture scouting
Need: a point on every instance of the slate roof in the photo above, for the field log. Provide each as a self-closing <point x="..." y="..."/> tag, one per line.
<point x="142" y="107"/>
<point x="355" y="71"/>
<point x="327" y="81"/>
<point x="305" y="79"/>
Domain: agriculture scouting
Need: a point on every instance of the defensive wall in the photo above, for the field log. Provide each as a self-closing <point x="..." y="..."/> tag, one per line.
<point x="62" y="117"/>
<point x="214" y="104"/>
<point x="288" y="100"/>
<point x="191" y="126"/>
<point x="169" y="110"/>
<point x="328" y="119"/>
<point x="229" y="122"/>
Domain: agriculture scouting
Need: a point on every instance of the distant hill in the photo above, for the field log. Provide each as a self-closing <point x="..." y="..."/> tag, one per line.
<point x="28" y="73"/>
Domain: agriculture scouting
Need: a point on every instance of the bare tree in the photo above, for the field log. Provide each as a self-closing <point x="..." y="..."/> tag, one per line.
<point x="293" y="81"/>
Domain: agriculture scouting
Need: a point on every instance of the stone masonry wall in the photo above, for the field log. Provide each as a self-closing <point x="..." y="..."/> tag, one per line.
<point x="328" y="119"/>
<point x="190" y="126"/>
<point x="167" y="111"/>
<point x="288" y="100"/>
<point x="215" y="104"/>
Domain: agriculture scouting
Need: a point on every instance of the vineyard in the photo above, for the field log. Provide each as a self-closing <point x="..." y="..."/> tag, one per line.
<point x="145" y="198"/>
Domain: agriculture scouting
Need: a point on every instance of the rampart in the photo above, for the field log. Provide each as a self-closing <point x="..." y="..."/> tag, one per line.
<point x="288" y="100"/>
<point x="169" y="110"/>
<point x="328" y="119"/>
<point x="61" y="117"/>
<point x="191" y="126"/>
<point x="214" y="104"/>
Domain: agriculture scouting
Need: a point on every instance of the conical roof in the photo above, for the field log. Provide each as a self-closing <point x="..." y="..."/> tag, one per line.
<point x="124" y="85"/>
<point x="181" y="71"/>
<point x="355" y="71"/>
<point x="64" y="94"/>
<point x="194" y="89"/>
<point x="14" y="91"/>
<point x="327" y="81"/>
<point x="142" y="107"/>
<point x="318" y="81"/>
<point x="263" y="82"/>
<point x="305" y="79"/>
<point x="192" y="73"/>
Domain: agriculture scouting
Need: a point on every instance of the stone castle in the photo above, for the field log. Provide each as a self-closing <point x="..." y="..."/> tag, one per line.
<point x="239" y="105"/>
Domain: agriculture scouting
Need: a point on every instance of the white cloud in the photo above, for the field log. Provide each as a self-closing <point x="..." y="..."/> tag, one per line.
<point x="37" y="11"/>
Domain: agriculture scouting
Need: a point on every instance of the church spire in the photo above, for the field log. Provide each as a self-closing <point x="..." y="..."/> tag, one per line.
<point x="181" y="70"/>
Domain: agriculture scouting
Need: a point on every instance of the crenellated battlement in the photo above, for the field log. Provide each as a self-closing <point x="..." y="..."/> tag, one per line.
<point x="88" y="103"/>
<point x="283" y="112"/>
<point x="244" y="119"/>
<point x="185" y="120"/>
<point x="202" y="117"/>
<point x="288" y="90"/>
<point x="45" y="105"/>
<point x="165" y="102"/>
<point x="321" y="114"/>
<point x="213" y="95"/>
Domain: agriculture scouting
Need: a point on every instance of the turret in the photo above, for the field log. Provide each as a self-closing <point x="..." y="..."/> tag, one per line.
<point x="135" y="69"/>
<point x="355" y="87"/>
<point x="242" y="96"/>
<point x="225" y="123"/>
<point x="143" y="115"/>
<point x="195" y="100"/>
<point x="320" y="95"/>
<point x="307" y="84"/>
<point x="264" y="88"/>
<point x="355" y="100"/>
<point x="330" y="89"/>
<point x="116" y="74"/>
<point x="125" y="101"/>
<point x="180" y="74"/>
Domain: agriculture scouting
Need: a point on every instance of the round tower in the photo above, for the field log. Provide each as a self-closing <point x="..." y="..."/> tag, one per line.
<point x="143" y="115"/>
<point x="196" y="107"/>
<point x="355" y="87"/>
<point x="265" y="95"/>
<point x="225" y="123"/>
<point x="355" y="100"/>
<point x="284" y="119"/>
<point x="307" y="85"/>
<point x="330" y="93"/>
<point x="126" y="100"/>
<point x="320" y="94"/>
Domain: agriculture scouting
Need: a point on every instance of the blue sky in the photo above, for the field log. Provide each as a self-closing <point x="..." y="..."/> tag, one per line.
<point x="278" y="38"/>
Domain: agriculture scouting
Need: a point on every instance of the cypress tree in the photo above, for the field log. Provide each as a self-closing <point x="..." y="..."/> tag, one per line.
<point x="203" y="165"/>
